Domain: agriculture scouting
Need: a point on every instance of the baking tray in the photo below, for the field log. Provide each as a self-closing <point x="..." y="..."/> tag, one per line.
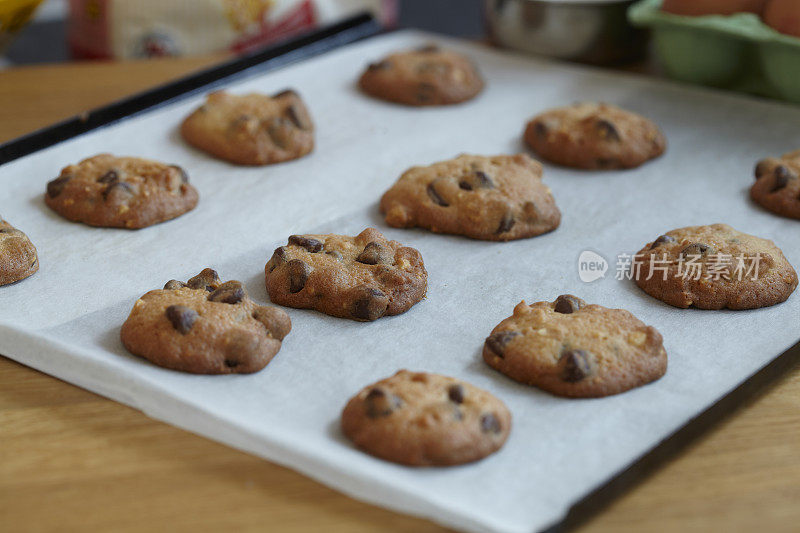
<point x="352" y="164"/>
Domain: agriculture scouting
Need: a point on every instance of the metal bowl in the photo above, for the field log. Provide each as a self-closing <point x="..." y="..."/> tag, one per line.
<point x="588" y="31"/>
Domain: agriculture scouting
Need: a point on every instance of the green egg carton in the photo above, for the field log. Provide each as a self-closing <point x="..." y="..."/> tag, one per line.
<point x="736" y="52"/>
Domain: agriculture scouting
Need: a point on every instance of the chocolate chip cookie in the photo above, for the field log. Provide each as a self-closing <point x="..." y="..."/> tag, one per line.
<point x="491" y="198"/>
<point x="361" y="278"/>
<point x="427" y="76"/>
<point x="18" y="258"/>
<point x="594" y="136"/>
<point x="777" y="185"/>
<point x="121" y="192"/>
<point x="205" y="326"/>
<point x="572" y="349"/>
<point x="714" y="267"/>
<point x="251" y="129"/>
<point x="420" y="419"/>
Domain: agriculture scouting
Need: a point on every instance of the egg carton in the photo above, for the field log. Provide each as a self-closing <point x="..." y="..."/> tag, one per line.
<point x="737" y="52"/>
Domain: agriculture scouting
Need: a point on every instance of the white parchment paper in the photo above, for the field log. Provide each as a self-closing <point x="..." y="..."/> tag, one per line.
<point x="65" y="320"/>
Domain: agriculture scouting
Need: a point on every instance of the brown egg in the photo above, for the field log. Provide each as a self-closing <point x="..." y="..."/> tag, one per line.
<point x="784" y="16"/>
<point x="713" y="7"/>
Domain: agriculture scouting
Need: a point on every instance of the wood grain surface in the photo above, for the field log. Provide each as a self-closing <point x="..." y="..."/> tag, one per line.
<point x="71" y="460"/>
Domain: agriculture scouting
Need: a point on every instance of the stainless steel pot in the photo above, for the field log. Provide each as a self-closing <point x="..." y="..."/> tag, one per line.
<point x="590" y="31"/>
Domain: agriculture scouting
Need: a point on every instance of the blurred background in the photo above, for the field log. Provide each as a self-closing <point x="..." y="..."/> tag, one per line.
<point x="46" y="39"/>
<point x="744" y="45"/>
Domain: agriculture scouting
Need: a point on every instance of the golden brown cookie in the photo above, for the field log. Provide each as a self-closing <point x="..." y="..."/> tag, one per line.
<point x="420" y="419"/>
<point x="569" y="348"/>
<point x="714" y="267"/>
<point x="18" y="258"/>
<point x="426" y="76"/>
<point x="361" y="278"/>
<point x="491" y="198"/>
<point x="205" y="326"/>
<point x="121" y="192"/>
<point x="251" y="129"/>
<point x="777" y="185"/>
<point x="594" y="136"/>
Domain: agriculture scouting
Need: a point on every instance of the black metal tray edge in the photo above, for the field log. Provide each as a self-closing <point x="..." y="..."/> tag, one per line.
<point x="327" y="39"/>
<point x="746" y="392"/>
<point x="303" y="47"/>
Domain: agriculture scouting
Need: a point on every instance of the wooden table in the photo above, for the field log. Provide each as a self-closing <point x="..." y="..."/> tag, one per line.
<point x="71" y="460"/>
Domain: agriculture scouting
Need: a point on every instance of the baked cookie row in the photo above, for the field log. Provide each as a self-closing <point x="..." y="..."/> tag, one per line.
<point x="566" y="347"/>
<point x="367" y="277"/>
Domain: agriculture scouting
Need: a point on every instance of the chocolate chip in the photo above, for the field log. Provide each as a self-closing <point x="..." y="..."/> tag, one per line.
<point x="607" y="162"/>
<point x="567" y="304"/>
<point x="434" y="196"/>
<point x="608" y="130"/>
<point x="428" y="48"/>
<point x="230" y="292"/>
<point x="109" y="177"/>
<point x="173" y="284"/>
<point x="496" y="342"/>
<point x="182" y="172"/>
<point x="295" y="117"/>
<point x="375" y="393"/>
<point x="374" y="253"/>
<point x="182" y="318"/>
<point x="370" y="303"/>
<point x="490" y="423"/>
<point x="118" y="187"/>
<point x="230" y="363"/>
<point x="311" y="245"/>
<point x="576" y="365"/>
<point x="456" y="393"/>
<point x="56" y="187"/>
<point x="207" y="280"/>
<point x="697" y="249"/>
<point x="476" y="180"/>
<point x="540" y="129"/>
<point x="279" y="257"/>
<point x="506" y="224"/>
<point x="425" y="92"/>
<point x="380" y="65"/>
<point x="284" y="93"/>
<point x="762" y="168"/>
<point x="484" y="180"/>
<point x="664" y="239"/>
<point x="379" y="404"/>
<point x="782" y="177"/>
<point x="298" y="272"/>
<point x="241" y="121"/>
